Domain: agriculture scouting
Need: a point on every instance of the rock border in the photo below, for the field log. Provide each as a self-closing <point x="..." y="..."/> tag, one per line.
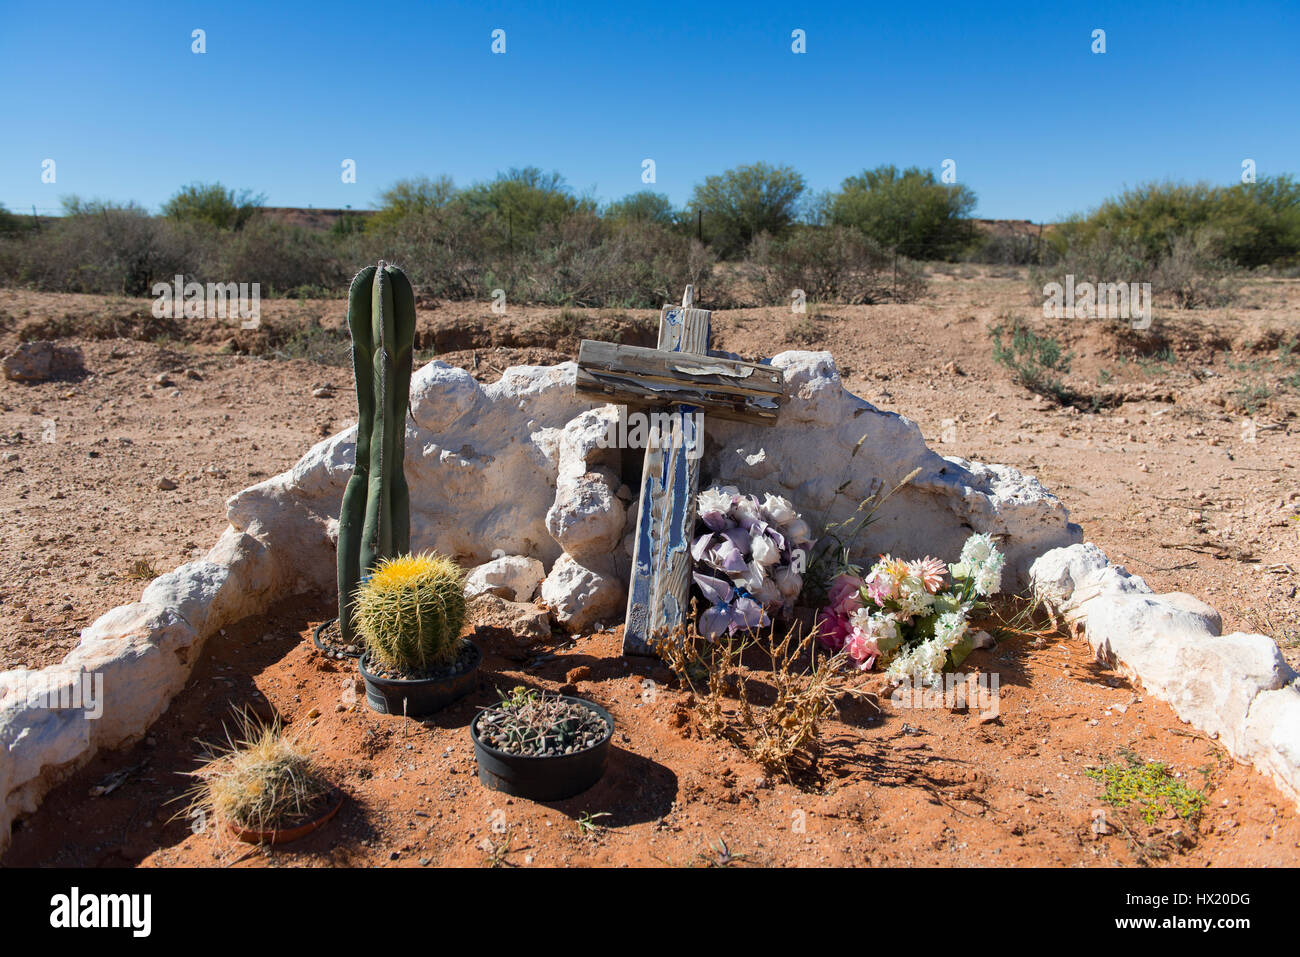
<point x="1237" y="688"/>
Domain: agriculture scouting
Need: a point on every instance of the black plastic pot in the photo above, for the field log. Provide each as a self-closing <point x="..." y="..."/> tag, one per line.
<point x="550" y="778"/>
<point x="320" y="646"/>
<point x="418" y="698"/>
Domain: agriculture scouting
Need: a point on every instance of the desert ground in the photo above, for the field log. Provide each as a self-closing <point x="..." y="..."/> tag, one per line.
<point x="1181" y="466"/>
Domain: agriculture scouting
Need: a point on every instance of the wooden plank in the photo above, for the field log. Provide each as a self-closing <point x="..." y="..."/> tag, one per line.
<point x="632" y="392"/>
<point x="684" y="328"/>
<point x="659" y="590"/>
<point x="724" y="376"/>
<point x="660" y="586"/>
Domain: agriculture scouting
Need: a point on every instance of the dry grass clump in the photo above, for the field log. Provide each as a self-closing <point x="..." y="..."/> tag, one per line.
<point x="797" y="684"/>
<point x="261" y="779"/>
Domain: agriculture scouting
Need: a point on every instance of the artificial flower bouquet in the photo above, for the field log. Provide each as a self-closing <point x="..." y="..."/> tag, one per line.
<point x="911" y="616"/>
<point x="750" y="559"/>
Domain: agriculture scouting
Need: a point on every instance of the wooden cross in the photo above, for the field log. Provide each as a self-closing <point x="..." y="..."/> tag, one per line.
<point x="681" y="375"/>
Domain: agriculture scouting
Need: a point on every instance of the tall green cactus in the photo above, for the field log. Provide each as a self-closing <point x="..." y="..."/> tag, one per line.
<point x="375" y="519"/>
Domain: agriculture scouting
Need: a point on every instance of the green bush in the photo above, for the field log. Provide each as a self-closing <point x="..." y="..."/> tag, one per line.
<point x="101" y="247"/>
<point x="281" y="258"/>
<point x="906" y="210"/>
<point x="213" y="204"/>
<point x="744" y="202"/>
<point x="645" y="206"/>
<point x="1036" y="360"/>
<point x="1253" y="223"/>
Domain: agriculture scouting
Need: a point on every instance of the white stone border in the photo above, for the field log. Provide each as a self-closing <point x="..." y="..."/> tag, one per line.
<point x="144" y="652"/>
<point x="1236" y="688"/>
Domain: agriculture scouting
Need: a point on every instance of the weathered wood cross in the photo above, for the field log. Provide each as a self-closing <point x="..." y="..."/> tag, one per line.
<point x="681" y="375"/>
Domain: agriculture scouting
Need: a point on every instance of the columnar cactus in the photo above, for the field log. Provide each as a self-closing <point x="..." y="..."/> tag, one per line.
<point x="410" y="612"/>
<point x="375" y="519"/>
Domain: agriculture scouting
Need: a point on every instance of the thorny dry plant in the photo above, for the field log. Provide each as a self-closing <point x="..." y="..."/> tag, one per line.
<point x="783" y="736"/>
<point x="260" y="779"/>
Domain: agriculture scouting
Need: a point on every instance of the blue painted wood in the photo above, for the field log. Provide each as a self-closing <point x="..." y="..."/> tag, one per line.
<point x="658" y="597"/>
<point x="659" y="590"/>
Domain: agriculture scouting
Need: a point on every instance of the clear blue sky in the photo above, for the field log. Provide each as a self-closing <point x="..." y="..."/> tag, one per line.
<point x="1038" y="125"/>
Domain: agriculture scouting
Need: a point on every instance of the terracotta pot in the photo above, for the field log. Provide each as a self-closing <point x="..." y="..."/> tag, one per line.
<point x="285" y="835"/>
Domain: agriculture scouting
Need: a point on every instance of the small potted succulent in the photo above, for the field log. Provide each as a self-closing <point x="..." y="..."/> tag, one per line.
<point x="545" y="747"/>
<point x="410" y="612"/>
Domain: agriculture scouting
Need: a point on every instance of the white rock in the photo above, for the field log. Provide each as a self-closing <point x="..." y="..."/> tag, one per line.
<point x="140" y="655"/>
<point x="1190" y="603"/>
<point x="586" y="517"/>
<point x="1236" y="687"/>
<point x="1066" y="578"/>
<point x="513" y="577"/>
<point x="579" y="596"/>
<point x="1271" y="740"/>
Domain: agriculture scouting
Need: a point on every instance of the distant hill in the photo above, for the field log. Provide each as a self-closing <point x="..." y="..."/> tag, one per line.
<point x="1008" y="226"/>
<point x="311" y="218"/>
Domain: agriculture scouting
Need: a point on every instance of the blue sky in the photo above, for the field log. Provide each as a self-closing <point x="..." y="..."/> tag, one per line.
<point x="1037" y="124"/>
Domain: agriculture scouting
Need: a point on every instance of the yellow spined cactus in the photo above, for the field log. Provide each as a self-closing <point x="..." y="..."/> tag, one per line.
<point x="410" y="612"/>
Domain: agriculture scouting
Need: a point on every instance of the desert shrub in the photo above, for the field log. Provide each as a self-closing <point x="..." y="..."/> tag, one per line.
<point x="1096" y="258"/>
<point x="830" y="264"/>
<point x="12" y="224"/>
<point x="261" y="779"/>
<point x="1001" y="248"/>
<point x="906" y="210"/>
<point x="1192" y="272"/>
<point x="281" y="258"/>
<point x="412" y="197"/>
<point x="1195" y="272"/>
<point x="324" y="345"/>
<point x="107" y="248"/>
<point x="744" y="202"/>
<point x="213" y="204"/>
<point x="645" y="206"/>
<point x="586" y="262"/>
<point x="441" y="247"/>
<point x="1036" y="360"/>
<point x="808" y="331"/>
<point x="512" y="210"/>
<point x="1255" y="223"/>
<point x="800" y="690"/>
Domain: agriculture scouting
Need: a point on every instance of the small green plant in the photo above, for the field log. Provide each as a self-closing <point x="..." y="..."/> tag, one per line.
<point x="1150" y="788"/>
<point x="410" y="612"/>
<point x="720" y="855"/>
<point x="1154" y="362"/>
<point x="1036" y="360"/>
<point x="1250" y="396"/>
<point x="316" y="343"/>
<point x="498" y="852"/>
<point x="587" y="823"/>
